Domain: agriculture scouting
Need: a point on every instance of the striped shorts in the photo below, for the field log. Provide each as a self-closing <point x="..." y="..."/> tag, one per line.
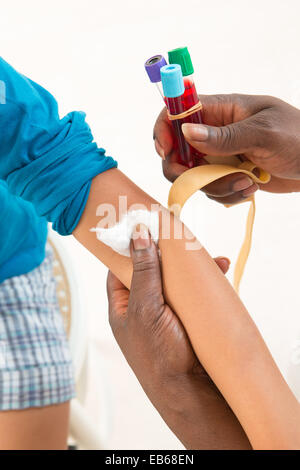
<point x="35" y="364"/>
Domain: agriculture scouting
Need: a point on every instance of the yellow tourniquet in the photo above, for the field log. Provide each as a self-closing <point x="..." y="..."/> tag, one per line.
<point x="196" y="178"/>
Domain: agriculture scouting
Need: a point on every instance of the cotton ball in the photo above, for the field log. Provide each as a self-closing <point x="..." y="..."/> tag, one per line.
<point x="118" y="237"/>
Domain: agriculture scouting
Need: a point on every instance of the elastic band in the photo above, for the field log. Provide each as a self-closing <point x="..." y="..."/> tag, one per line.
<point x="196" y="178"/>
<point x="194" y="109"/>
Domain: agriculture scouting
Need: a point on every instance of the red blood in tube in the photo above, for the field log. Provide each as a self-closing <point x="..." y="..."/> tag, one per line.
<point x="187" y="155"/>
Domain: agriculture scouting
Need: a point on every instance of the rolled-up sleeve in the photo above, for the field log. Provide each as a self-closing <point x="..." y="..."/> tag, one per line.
<point x="44" y="159"/>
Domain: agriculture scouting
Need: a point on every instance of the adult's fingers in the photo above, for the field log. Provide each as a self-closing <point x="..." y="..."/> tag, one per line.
<point x="236" y="197"/>
<point x="172" y="169"/>
<point x="218" y="110"/>
<point x="215" y="109"/>
<point x="228" y="185"/>
<point x="219" y="135"/>
<point x="146" y="294"/>
<point x="225" y="187"/>
<point x="118" y="296"/>
<point x="232" y="139"/>
<point x="162" y="135"/>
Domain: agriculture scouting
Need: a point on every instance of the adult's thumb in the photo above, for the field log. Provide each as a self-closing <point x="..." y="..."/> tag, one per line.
<point x="234" y="138"/>
<point x="146" y="284"/>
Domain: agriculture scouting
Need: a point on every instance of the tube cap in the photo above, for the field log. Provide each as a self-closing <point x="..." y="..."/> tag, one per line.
<point x="172" y="80"/>
<point x="182" y="57"/>
<point x="153" y="66"/>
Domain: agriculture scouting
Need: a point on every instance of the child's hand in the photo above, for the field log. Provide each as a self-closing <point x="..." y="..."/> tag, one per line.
<point x="262" y="129"/>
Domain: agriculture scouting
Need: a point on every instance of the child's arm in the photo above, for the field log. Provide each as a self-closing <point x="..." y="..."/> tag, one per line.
<point x="51" y="162"/>
<point x="223" y="335"/>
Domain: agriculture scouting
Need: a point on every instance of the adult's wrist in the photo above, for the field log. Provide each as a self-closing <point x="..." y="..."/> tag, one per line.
<point x="197" y="413"/>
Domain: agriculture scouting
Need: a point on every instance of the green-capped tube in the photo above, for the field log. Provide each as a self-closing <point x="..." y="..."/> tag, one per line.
<point x="181" y="56"/>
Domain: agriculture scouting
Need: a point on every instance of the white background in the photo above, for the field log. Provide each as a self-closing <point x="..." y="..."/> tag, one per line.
<point x="90" y="55"/>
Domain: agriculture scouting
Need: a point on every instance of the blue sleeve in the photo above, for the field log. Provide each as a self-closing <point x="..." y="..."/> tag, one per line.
<point x="22" y="234"/>
<point x="44" y="159"/>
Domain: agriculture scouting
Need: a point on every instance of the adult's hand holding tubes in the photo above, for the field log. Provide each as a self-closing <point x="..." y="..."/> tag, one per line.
<point x="262" y="129"/>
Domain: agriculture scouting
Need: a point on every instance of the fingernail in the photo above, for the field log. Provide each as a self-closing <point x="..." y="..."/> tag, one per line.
<point x="159" y="149"/>
<point x="242" y="183"/>
<point x="247" y="192"/>
<point x="141" y="237"/>
<point x="195" y="132"/>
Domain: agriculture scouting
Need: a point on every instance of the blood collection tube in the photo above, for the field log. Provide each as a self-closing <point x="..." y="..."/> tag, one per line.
<point x="153" y="66"/>
<point x="182" y="57"/>
<point x="176" y="102"/>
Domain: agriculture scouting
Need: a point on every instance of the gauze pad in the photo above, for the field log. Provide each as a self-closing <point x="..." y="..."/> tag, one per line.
<point x="118" y="237"/>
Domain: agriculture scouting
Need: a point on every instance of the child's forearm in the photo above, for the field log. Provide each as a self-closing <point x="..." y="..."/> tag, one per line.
<point x="222" y="333"/>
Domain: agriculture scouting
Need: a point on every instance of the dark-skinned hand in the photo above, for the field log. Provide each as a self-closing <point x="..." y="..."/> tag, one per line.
<point x="157" y="348"/>
<point x="262" y="129"/>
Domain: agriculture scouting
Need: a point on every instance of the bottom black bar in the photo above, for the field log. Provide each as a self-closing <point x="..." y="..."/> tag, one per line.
<point x="140" y="459"/>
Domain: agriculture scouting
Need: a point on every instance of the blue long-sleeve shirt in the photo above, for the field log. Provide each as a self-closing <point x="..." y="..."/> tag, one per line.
<point x="22" y="235"/>
<point x="47" y="161"/>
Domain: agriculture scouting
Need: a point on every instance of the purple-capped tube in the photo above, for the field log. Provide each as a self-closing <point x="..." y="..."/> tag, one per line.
<point x="152" y="67"/>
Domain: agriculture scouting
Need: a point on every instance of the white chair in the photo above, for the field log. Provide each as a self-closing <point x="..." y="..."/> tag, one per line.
<point x="83" y="432"/>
